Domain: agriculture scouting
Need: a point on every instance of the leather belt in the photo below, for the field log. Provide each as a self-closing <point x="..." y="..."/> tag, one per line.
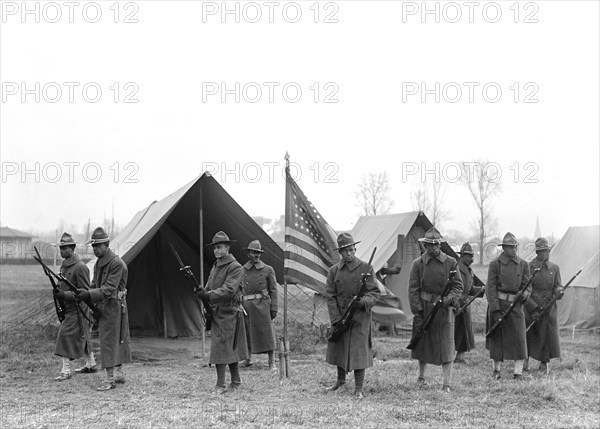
<point x="510" y="297"/>
<point x="426" y="296"/>
<point x="251" y="297"/>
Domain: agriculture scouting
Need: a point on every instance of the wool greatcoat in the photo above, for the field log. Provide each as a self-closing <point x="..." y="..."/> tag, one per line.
<point x="353" y="350"/>
<point x="108" y="289"/>
<point x="464" y="339"/>
<point x="542" y="339"/>
<point x="73" y="340"/>
<point x="507" y="275"/>
<point x="260" y="280"/>
<point x="228" y="336"/>
<point x="430" y="275"/>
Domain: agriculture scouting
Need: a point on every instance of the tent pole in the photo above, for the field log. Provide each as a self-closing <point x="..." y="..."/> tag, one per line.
<point x="201" y="253"/>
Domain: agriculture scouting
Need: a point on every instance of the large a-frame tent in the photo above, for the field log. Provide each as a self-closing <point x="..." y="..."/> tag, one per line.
<point x="579" y="307"/>
<point x="396" y="237"/>
<point x="159" y="297"/>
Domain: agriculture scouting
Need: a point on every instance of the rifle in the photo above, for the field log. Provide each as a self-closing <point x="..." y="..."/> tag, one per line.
<point x="543" y="309"/>
<point x="518" y="296"/>
<point x="204" y="307"/>
<point x="347" y="319"/>
<point x="52" y="275"/>
<point x="59" y="305"/>
<point x="436" y="307"/>
<point x="476" y="282"/>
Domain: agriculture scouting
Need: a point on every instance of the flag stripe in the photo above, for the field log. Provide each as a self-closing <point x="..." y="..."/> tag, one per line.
<point x="295" y="276"/>
<point x="306" y="243"/>
<point x="304" y="250"/>
<point x="319" y="268"/>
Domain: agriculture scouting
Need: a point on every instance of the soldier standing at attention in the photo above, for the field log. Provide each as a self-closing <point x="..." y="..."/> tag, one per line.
<point x="506" y="275"/>
<point x="259" y="290"/>
<point x="73" y="340"/>
<point x="464" y="340"/>
<point x="228" y="338"/>
<point x="429" y="275"/>
<point x="542" y="339"/>
<point x="109" y="290"/>
<point x="353" y="351"/>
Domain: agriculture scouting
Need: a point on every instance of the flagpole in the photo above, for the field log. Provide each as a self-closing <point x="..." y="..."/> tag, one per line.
<point x="201" y="253"/>
<point x="286" y="348"/>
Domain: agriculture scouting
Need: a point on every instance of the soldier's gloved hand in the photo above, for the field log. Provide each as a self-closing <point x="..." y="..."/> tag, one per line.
<point x="273" y="315"/>
<point x="83" y="295"/>
<point x="69" y="296"/>
<point x="358" y="304"/>
<point x="560" y="292"/>
<point x="202" y="294"/>
<point x="59" y="294"/>
<point x="448" y="301"/>
<point x="496" y="315"/>
<point x="535" y="314"/>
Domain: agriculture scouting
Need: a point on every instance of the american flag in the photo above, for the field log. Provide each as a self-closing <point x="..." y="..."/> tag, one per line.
<point x="309" y="240"/>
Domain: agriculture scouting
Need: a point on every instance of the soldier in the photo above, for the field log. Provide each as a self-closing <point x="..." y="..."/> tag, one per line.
<point x="429" y="274"/>
<point x="506" y="274"/>
<point x="259" y="290"/>
<point x="542" y="339"/>
<point x="73" y="340"/>
<point x="228" y="338"/>
<point x="353" y="351"/>
<point x="464" y="339"/>
<point x="109" y="291"/>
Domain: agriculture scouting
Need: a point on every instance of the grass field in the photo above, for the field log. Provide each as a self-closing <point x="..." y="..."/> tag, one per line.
<point x="168" y="385"/>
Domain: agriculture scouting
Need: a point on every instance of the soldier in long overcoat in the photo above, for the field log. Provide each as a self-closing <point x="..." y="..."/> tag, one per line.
<point x="542" y="339"/>
<point x="353" y="351"/>
<point x="228" y="338"/>
<point x="74" y="337"/>
<point x="109" y="291"/>
<point x="259" y="289"/>
<point x="464" y="340"/>
<point x="506" y="275"/>
<point x="429" y="275"/>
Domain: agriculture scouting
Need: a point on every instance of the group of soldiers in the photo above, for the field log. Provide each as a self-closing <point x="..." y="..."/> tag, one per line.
<point x="243" y="303"/>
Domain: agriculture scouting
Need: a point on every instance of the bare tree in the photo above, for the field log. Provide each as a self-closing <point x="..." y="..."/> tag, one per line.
<point x="373" y="194"/>
<point x="428" y="197"/>
<point x="483" y="183"/>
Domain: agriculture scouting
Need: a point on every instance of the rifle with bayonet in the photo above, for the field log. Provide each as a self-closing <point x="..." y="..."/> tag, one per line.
<point x="479" y="294"/>
<point x="203" y="305"/>
<point x="518" y="296"/>
<point x="543" y="309"/>
<point x="347" y="319"/>
<point x="439" y="303"/>
<point x="61" y="278"/>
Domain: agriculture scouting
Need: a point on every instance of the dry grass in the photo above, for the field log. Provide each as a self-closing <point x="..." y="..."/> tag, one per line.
<point x="168" y="387"/>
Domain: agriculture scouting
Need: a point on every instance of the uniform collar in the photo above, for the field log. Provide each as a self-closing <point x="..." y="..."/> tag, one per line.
<point x="71" y="261"/>
<point x="463" y="267"/>
<point x="538" y="263"/>
<point x="249" y="265"/>
<point x="351" y="266"/>
<point x="225" y="260"/>
<point x="504" y="259"/>
<point x="108" y="256"/>
<point x="440" y="257"/>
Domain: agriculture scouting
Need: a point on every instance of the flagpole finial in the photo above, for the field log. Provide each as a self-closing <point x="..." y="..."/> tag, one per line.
<point x="287" y="159"/>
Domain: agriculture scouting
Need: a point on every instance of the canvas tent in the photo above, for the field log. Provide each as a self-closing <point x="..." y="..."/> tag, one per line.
<point x="396" y="237"/>
<point x="159" y="296"/>
<point x="579" y="307"/>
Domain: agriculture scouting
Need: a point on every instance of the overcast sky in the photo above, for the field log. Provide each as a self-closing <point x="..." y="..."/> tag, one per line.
<point x="369" y="73"/>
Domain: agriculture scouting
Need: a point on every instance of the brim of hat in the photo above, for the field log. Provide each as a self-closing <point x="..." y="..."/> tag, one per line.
<point x="347" y="245"/>
<point x="99" y="241"/>
<point x="430" y="241"/>
<point x="506" y="244"/>
<point x="221" y="242"/>
<point x="542" y="248"/>
<point x="65" y="244"/>
<point x="465" y="253"/>
<point x="254" y="250"/>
